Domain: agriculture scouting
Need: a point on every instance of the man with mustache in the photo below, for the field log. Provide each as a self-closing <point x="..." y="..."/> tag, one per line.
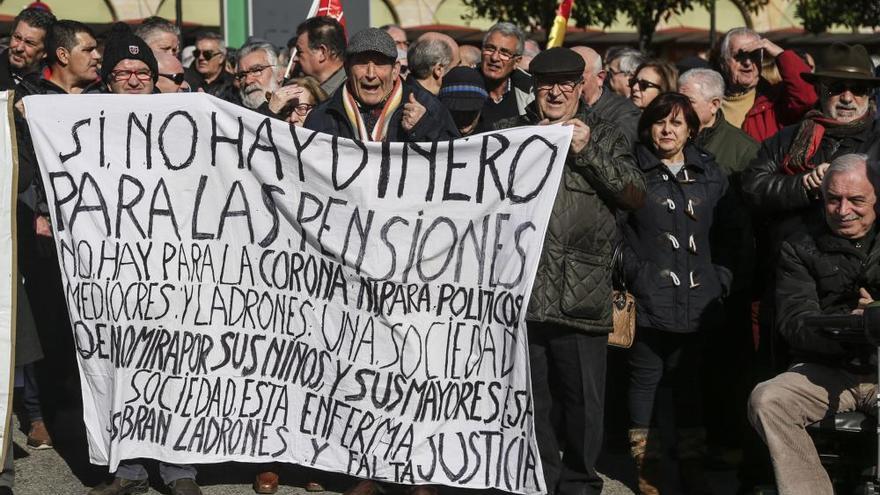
<point x="832" y="270"/>
<point x="27" y="47"/>
<point x="258" y="73"/>
<point x="785" y="178"/>
<point x="750" y="102"/>
<point x="374" y="104"/>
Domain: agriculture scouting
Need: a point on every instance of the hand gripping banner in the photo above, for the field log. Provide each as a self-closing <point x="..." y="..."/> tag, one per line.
<point x="243" y="290"/>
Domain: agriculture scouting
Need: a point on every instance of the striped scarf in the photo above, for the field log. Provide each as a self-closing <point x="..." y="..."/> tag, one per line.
<point x="380" y="130"/>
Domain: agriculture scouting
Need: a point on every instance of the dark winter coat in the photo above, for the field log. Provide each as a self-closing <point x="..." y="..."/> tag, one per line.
<point x="733" y="246"/>
<point x="329" y="117"/>
<point x="820" y="273"/>
<point x="619" y="110"/>
<point x="573" y="283"/>
<point x="668" y="259"/>
<point x="780" y="200"/>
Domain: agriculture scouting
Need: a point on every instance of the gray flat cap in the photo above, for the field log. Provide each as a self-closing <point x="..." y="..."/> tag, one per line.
<point x="372" y="40"/>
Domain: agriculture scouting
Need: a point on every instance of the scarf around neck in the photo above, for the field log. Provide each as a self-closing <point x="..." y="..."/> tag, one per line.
<point x="812" y="129"/>
<point x="380" y="130"/>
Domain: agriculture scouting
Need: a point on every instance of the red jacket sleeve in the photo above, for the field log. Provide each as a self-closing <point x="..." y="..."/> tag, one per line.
<point x="797" y="96"/>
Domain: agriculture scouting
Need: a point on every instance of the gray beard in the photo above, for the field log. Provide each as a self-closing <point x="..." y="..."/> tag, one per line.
<point x="258" y="97"/>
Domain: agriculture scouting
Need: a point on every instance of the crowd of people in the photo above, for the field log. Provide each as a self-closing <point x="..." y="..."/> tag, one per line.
<point x="735" y="196"/>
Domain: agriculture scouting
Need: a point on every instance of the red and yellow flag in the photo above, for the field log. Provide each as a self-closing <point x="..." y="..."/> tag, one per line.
<point x="560" y="23"/>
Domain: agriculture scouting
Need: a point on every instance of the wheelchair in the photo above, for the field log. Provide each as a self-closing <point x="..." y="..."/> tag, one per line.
<point x="849" y="443"/>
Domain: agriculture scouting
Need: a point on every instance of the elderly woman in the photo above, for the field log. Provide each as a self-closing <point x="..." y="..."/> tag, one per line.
<point x="668" y="268"/>
<point x="650" y="79"/>
<point x="293" y="101"/>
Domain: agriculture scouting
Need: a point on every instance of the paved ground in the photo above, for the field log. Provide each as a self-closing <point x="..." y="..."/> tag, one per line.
<point x="66" y="471"/>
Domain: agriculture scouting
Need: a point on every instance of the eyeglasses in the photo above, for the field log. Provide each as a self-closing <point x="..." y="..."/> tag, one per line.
<point x="839" y="87"/>
<point x="175" y="78"/>
<point x="618" y="72"/>
<point x="564" y="86"/>
<point x="302" y="109"/>
<point x="503" y="54"/>
<point x="255" y="70"/>
<point x="644" y="84"/>
<point x="125" y="75"/>
<point x="207" y="54"/>
<point x="756" y="56"/>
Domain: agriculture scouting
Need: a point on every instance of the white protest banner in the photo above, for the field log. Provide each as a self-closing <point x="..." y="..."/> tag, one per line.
<point x="8" y="267"/>
<point x="242" y="290"/>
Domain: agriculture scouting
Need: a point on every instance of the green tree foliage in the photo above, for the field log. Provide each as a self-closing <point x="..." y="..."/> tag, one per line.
<point x="819" y="15"/>
<point x="644" y="15"/>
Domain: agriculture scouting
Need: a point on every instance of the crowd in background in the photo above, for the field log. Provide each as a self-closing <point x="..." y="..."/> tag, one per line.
<point x="732" y="194"/>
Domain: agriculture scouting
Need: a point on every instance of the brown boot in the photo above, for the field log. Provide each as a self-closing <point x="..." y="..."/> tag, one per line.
<point x="38" y="437"/>
<point x="691" y="456"/>
<point x="266" y="482"/>
<point x="645" y="450"/>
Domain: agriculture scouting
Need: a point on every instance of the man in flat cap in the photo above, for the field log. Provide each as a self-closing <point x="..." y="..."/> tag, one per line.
<point x="373" y="104"/>
<point x="569" y="320"/>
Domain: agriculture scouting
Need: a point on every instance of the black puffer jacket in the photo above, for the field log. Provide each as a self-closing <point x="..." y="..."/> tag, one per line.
<point x="330" y="117"/>
<point x="820" y="273"/>
<point x="668" y="258"/>
<point x="621" y="111"/>
<point x="573" y="282"/>
<point x="782" y="204"/>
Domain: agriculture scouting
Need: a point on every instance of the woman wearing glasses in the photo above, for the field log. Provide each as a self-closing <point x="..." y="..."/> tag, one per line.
<point x="649" y="80"/>
<point x="670" y="271"/>
<point x="293" y="101"/>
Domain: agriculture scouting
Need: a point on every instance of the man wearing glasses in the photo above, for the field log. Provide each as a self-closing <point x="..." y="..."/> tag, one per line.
<point x="258" y="74"/>
<point x="750" y="102"/>
<point x="130" y="67"/>
<point x="569" y="319"/>
<point x="171" y="76"/>
<point x="210" y="63"/>
<point x="510" y="89"/>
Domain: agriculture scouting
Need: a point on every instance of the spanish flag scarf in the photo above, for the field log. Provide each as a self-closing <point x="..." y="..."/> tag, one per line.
<point x="380" y="130"/>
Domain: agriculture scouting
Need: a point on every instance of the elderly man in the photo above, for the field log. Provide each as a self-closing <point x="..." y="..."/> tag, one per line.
<point x="210" y="64"/>
<point x="402" y="43"/>
<point x="827" y="377"/>
<point x="531" y="48"/>
<point x="606" y="103"/>
<point x="621" y="66"/>
<point x="568" y="323"/>
<point x="161" y="34"/>
<point x="510" y="89"/>
<point x="374" y="104"/>
<point x="171" y="76"/>
<point x="470" y="56"/>
<point x="258" y="74"/>
<point x="27" y="47"/>
<point x="430" y="57"/>
<point x="751" y="103"/>
<point x="130" y="67"/>
<point x="320" y="50"/>
<point x="786" y="175"/>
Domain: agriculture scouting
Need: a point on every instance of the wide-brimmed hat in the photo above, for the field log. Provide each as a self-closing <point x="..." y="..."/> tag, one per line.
<point x="842" y="61"/>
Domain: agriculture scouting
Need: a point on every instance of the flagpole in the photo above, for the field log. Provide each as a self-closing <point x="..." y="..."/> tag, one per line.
<point x="312" y="10"/>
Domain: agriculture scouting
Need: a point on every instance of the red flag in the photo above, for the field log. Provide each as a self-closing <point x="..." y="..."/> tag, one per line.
<point x="330" y="8"/>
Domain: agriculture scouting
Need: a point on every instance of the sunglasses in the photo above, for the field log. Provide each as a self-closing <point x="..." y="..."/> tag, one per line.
<point x="207" y="54"/>
<point x="839" y="87"/>
<point x="644" y="84"/>
<point x="756" y="56"/>
<point x="175" y="78"/>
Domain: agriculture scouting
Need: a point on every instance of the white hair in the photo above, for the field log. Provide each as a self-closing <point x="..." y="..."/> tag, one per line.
<point x="511" y="30"/>
<point x="725" y="41"/>
<point x="709" y="82"/>
<point x="845" y="163"/>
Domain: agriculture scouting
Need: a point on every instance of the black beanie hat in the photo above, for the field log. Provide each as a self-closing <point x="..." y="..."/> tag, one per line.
<point x="122" y="44"/>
